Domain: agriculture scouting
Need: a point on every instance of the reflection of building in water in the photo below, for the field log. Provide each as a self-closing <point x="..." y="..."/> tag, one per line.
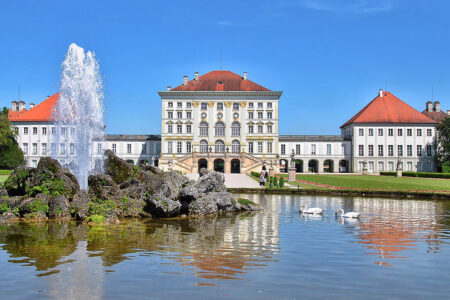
<point x="392" y="226"/>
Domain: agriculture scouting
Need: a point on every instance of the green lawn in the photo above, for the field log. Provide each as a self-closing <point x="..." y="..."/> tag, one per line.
<point x="4" y="175"/>
<point x="306" y="186"/>
<point x="3" y="178"/>
<point x="379" y="182"/>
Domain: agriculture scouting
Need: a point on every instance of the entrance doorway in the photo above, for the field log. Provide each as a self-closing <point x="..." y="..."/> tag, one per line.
<point x="235" y="166"/>
<point x="298" y="166"/>
<point x="219" y="165"/>
<point x="202" y="164"/>
<point x="312" y="166"/>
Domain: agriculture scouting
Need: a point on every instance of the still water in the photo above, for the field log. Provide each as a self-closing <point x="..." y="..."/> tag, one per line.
<point x="398" y="249"/>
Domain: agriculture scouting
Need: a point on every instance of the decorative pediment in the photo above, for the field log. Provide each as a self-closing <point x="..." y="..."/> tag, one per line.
<point x="169" y="122"/>
<point x="179" y="123"/>
<point x="250" y="123"/>
<point x="269" y="123"/>
<point x="260" y="123"/>
<point x="189" y="123"/>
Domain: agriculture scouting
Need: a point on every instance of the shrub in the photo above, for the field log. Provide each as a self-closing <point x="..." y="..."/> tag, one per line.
<point x="254" y="174"/>
<point x="419" y="174"/>
<point x="95" y="219"/>
<point x="281" y="182"/>
<point x="4" y="207"/>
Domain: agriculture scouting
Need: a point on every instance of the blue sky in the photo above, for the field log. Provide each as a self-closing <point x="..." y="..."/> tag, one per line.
<point x="329" y="57"/>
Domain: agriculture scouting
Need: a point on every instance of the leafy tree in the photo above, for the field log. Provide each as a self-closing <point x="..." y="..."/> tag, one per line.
<point x="443" y="143"/>
<point x="11" y="156"/>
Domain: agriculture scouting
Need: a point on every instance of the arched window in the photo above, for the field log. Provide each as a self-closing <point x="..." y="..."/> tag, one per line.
<point x="220" y="129"/>
<point x="220" y="147"/>
<point x="203" y="146"/>
<point x="203" y="129"/>
<point x="235" y="146"/>
<point x="235" y="129"/>
<point x="204" y="106"/>
<point x="235" y="106"/>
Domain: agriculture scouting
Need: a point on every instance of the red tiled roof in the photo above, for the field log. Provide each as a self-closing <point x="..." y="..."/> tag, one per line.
<point x="437" y="116"/>
<point x="389" y="109"/>
<point x="40" y="113"/>
<point x="220" y="81"/>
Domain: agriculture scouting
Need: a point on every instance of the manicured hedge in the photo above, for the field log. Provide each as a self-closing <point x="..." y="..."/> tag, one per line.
<point x="418" y="174"/>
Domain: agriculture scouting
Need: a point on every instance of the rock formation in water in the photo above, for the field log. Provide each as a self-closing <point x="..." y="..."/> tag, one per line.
<point x="50" y="191"/>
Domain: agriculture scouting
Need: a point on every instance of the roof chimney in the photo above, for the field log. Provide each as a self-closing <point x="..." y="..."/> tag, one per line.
<point x="184" y="80"/>
<point x="168" y="87"/>
<point x="31" y="105"/>
<point x="21" y="105"/>
<point x="245" y="75"/>
<point x="196" y="75"/>
<point x="14" y="105"/>
<point x="429" y="106"/>
<point x="437" y="106"/>
<point x="381" y="93"/>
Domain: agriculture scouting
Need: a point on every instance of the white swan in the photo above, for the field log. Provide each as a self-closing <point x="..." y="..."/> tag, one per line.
<point x="350" y="214"/>
<point x="313" y="210"/>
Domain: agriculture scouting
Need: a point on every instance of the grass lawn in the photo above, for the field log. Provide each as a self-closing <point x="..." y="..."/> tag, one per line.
<point x="379" y="182"/>
<point x="4" y="175"/>
<point x="306" y="186"/>
<point x="3" y="178"/>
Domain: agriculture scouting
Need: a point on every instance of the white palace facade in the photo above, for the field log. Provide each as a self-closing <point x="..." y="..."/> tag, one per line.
<point x="226" y="122"/>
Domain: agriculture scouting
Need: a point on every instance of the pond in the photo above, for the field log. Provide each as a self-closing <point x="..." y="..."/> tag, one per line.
<point x="398" y="248"/>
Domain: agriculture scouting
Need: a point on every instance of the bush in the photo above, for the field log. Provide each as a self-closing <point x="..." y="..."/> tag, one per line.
<point x="281" y="182"/>
<point x="254" y="174"/>
<point x="445" y="169"/>
<point x="419" y="174"/>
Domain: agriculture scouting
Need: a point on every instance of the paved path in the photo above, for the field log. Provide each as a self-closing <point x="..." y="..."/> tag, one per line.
<point x="234" y="180"/>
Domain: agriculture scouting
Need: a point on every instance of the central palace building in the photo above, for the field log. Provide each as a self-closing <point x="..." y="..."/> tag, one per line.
<point x="225" y="122"/>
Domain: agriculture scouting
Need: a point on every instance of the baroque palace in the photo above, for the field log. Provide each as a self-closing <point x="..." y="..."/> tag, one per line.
<point x="225" y="122"/>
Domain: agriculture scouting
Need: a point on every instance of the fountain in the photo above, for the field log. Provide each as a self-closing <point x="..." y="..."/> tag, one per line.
<point x="78" y="115"/>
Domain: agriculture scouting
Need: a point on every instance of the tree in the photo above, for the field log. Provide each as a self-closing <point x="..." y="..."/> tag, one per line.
<point x="443" y="143"/>
<point x="11" y="156"/>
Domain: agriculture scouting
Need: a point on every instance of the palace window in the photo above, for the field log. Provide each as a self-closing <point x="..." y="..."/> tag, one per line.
<point x="260" y="129"/>
<point x="328" y="149"/>
<point x="220" y="129"/>
<point x="170" y="114"/>
<point x="63" y="131"/>
<point x="250" y="128"/>
<point x="390" y="132"/>
<point x="72" y="149"/>
<point x="169" y="104"/>
<point x="204" y="106"/>
<point x="428" y="150"/>
<point x="260" y="147"/>
<point x="269" y="147"/>
<point x="409" y="132"/>
<point x="34" y="150"/>
<point x="260" y="115"/>
<point x="34" y="130"/>
<point x="313" y="149"/>
<point x="72" y="131"/>
<point x="283" y="149"/>
<point x="188" y="129"/>
<point x="370" y="150"/>
<point x="269" y="115"/>
<point x="390" y="150"/>
<point x="297" y="149"/>
<point x="400" y="150"/>
<point x="409" y="150"/>
<point x="235" y="106"/>
<point x="203" y="129"/>
<point x="25" y="130"/>
<point x="203" y="146"/>
<point x="129" y="148"/>
<point x="409" y="166"/>
<point x="114" y="148"/>
<point x="391" y="166"/>
<point x="144" y="149"/>
<point x="179" y="147"/>
<point x="44" y="130"/>
<point x="269" y="128"/>
<point x="380" y="132"/>
<point x="429" y="165"/>
<point x="188" y="115"/>
<point x="250" y="105"/>
<point x="219" y="146"/>
<point x="235" y="147"/>
<point x="260" y="105"/>
<point x="188" y="147"/>
<point x="250" y="147"/>
<point x="400" y="132"/>
<point x="179" y="128"/>
<point x="169" y="147"/>
<point x="429" y="132"/>
<point x="44" y="148"/>
<point x="361" y="132"/>
<point x="220" y="106"/>
<point x="179" y="115"/>
<point x="180" y="104"/>
<point x="62" y="149"/>
<point x="53" y="130"/>
<point x="380" y="166"/>
<point x="361" y="150"/>
<point x="419" y="132"/>
<point x="99" y="148"/>
<point x="53" y="148"/>
<point x="188" y="105"/>
<point x="269" y="104"/>
<point x="380" y="150"/>
<point x="169" y="128"/>
<point x="235" y="129"/>
<point x="419" y="150"/>
<point x="250" y="115"/>
<point x="34" y="163"/>
<point x="370" y="131"/>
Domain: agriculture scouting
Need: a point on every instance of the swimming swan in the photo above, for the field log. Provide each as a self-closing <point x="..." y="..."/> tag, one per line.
<point x="350" y="214"/>
<point x="313" y="210"/>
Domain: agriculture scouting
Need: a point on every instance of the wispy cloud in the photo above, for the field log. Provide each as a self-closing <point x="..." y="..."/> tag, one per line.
<point x="347" y="6"/>
<point x="234" y="24"/>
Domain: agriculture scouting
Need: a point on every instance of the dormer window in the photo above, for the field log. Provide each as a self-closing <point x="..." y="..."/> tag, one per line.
<point x="219" y="82"/>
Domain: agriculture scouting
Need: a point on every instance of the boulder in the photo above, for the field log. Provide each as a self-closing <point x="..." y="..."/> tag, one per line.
<point x="162" y="207"/>
<point x="3" y="193"/>
<point x="102" y="187"/>
<point x="152" y="169"/>
<point x="36" y="217"/>
<point x="30" y="205"/>
<point x="130" y="207"/>
<point x="8" y="217"/>
<point x="16" y="183"/>
<point x="211" y="182"/>
<point x="202" y="172"/>
<point x="49" y="165"/>
<point x="205" y="205"/>
<point x="119" y="170"/>
<point x="225" y="201"/>
<point x="59" y="207"/>
<point x="80" y="205"/>
<point x="172" y="184"/>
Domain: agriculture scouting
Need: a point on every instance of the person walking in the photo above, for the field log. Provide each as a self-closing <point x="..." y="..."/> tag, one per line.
<point x="263" y="176"/>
